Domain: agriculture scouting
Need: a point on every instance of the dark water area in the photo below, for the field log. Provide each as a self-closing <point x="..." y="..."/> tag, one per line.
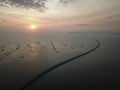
<point x="24" y="55"/>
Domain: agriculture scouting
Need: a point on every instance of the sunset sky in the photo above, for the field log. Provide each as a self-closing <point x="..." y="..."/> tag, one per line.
<point x="60" y="14"/>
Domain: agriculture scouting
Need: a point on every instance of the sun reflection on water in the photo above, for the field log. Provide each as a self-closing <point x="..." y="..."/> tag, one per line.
<point x="34" y="51"/>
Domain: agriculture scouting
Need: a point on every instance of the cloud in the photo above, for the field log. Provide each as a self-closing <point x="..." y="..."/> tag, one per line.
<point x="67" y="2"/>
<point x="64" y="2"/>
<point x="84" y="25"/>
<point x="112" y="16"/>
<point x="4" y="21"/>
<point x="34" y="4"/>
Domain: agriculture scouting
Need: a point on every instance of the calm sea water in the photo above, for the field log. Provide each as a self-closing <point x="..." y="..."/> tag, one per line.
<point x="24" y="55"/>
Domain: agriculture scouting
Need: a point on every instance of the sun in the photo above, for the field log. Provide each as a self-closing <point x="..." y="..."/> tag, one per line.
<point x="33" y="26"/>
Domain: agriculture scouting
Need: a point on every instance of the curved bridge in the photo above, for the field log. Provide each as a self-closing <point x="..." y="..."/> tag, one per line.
<point x="60" y="64"/>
